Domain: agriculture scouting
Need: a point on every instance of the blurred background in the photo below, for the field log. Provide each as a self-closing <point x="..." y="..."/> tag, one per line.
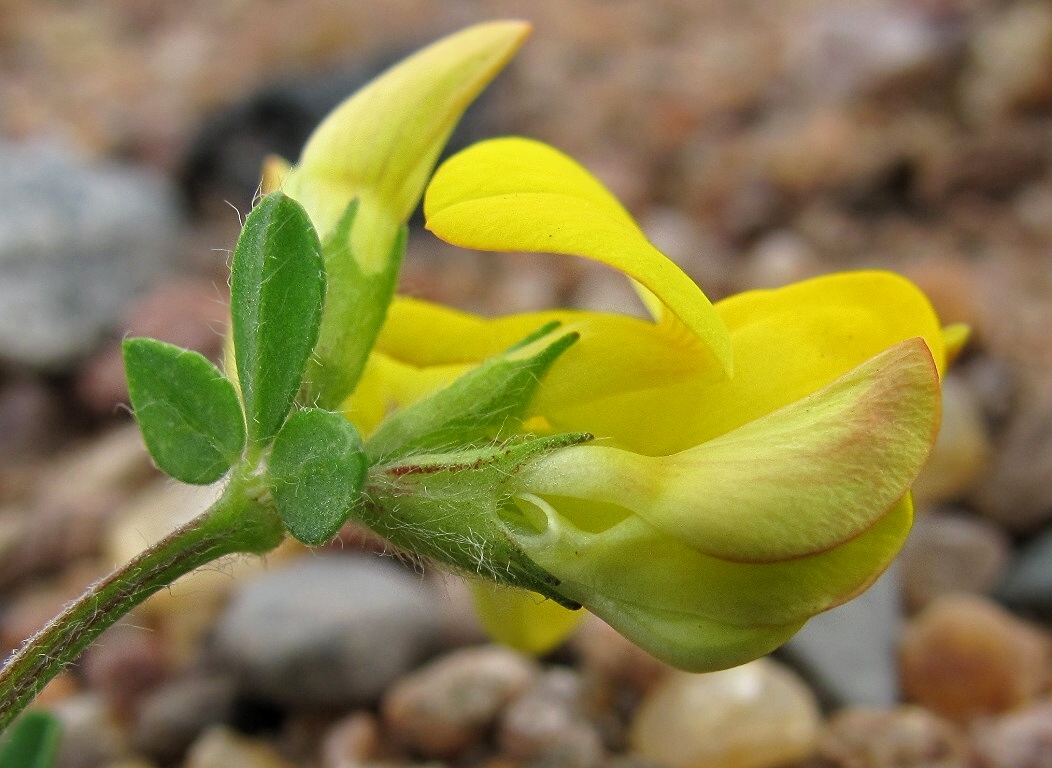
<point x="757" y="143"/>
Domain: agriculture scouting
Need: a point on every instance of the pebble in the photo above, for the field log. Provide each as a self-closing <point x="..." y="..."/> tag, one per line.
<point x="78" y="241"/>
<point x="950" y="551"/>
<point x="610" y="659"/>
<point x="190" y="313"/>
<point x="123" y="664"/>
<point x="759" y="715"/>
<point x="848" y="653"/>
<point x="1011" y="63"/>
<point x="447" y="706"/>
<point x="327" y="630"/>
<point x="1021" y="739"/>
<point x="351" y="742"/>
<point x="221" y="747"/>
<point x="840" y="53"/>
<point x="779" y="258"/>
<point x="172" y="716"/>
<point x="962" y="450"/>
<point x="964" y="657"/>
<point x="892" y="738"/>
<point x="1015" y="491"/>
<point x="91" y="737"/>
<point x="548" y="726"/>
<point x="1027" y="586"/>
<point x="30" y="418"/>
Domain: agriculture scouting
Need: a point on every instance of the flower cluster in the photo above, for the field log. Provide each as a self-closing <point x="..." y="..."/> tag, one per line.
<point x="705" y="479"/>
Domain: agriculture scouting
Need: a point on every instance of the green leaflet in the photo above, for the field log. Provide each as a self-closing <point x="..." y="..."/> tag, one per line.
<point x="187" y="410"/>
<point x="316" y="473"/>
<point x="277" y="289"/>
<point x="32" y="741"/>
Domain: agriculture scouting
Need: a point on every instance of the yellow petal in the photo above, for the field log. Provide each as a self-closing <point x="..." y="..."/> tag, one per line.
<point x="797" y="481"/>
<point x="791" y="341"/>
<point x="381" y="144"/>
<point x="955" y="337"/>
<point x="620" y="363"/>
<point x="689" y="642"/>
<point x="677" y="602"/>
<point x="522" y="620"/>
<point x="275" y="171"/>
<point x="515" y="194"/>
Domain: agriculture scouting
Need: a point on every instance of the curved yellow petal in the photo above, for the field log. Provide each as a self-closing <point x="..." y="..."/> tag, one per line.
<point x="797" y="481"/>
<point x="516" y="194"/>
<point x="522" y="620"/>
<point x="955" y="337"/>
<point x="792" y="341"/>
<point x="381" y="144"/>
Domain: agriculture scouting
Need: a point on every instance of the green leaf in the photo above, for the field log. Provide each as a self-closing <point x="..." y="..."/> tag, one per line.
<point x="355" y="307"/>
<point x="480" y="406"/>
<point x="32" y="741"/>
<point x="316" y="473"/>
<point x="187" y="409"/>
<point x="277" y="289"/>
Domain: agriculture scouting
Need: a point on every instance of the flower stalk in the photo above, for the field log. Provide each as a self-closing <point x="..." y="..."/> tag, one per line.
<point x="237" y="523"/>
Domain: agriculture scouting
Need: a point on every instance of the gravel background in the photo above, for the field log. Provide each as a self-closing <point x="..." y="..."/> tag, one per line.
<point x="757" y="143"/>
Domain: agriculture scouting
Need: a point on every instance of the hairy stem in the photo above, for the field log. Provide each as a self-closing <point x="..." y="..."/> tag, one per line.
<point x="236" y="523"/>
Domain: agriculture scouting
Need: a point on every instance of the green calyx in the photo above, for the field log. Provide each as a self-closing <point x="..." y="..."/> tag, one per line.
<point x="448" y="507"/>
<point x="485" y="405"/>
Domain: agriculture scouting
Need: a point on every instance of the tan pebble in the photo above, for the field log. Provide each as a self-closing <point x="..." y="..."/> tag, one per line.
<point x="964" y="656"/>
<point x="222" y="748"/>
<point x="950" y="552"/>
<point x="611" y="660"/>
<point x="547" y="725"/>
<point x="1011" y="67"/>
<point x="116" y="462"/>
<point x="351" y="742"/>
<point x="904" y="736"/>
<point x="759" y="715"/>
<point x="58" y="690"/>
<point x="1015" y="491"/>
<point x="1020" y="739"/>
<point x="962" y="449"/>
<point x="954" y="288"/>
<point x="780" y="258"/>
<point x="446" y="706"/>
<point x="123" y="664"/>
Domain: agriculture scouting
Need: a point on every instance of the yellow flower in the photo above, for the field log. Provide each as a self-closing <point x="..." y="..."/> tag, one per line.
<point x="752" y="460"/>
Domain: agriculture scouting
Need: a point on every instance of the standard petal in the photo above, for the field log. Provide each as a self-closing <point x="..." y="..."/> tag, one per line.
<point x="791" y="341"/>
<point x="516" y="194"/>
<point x="794" y="482"/>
